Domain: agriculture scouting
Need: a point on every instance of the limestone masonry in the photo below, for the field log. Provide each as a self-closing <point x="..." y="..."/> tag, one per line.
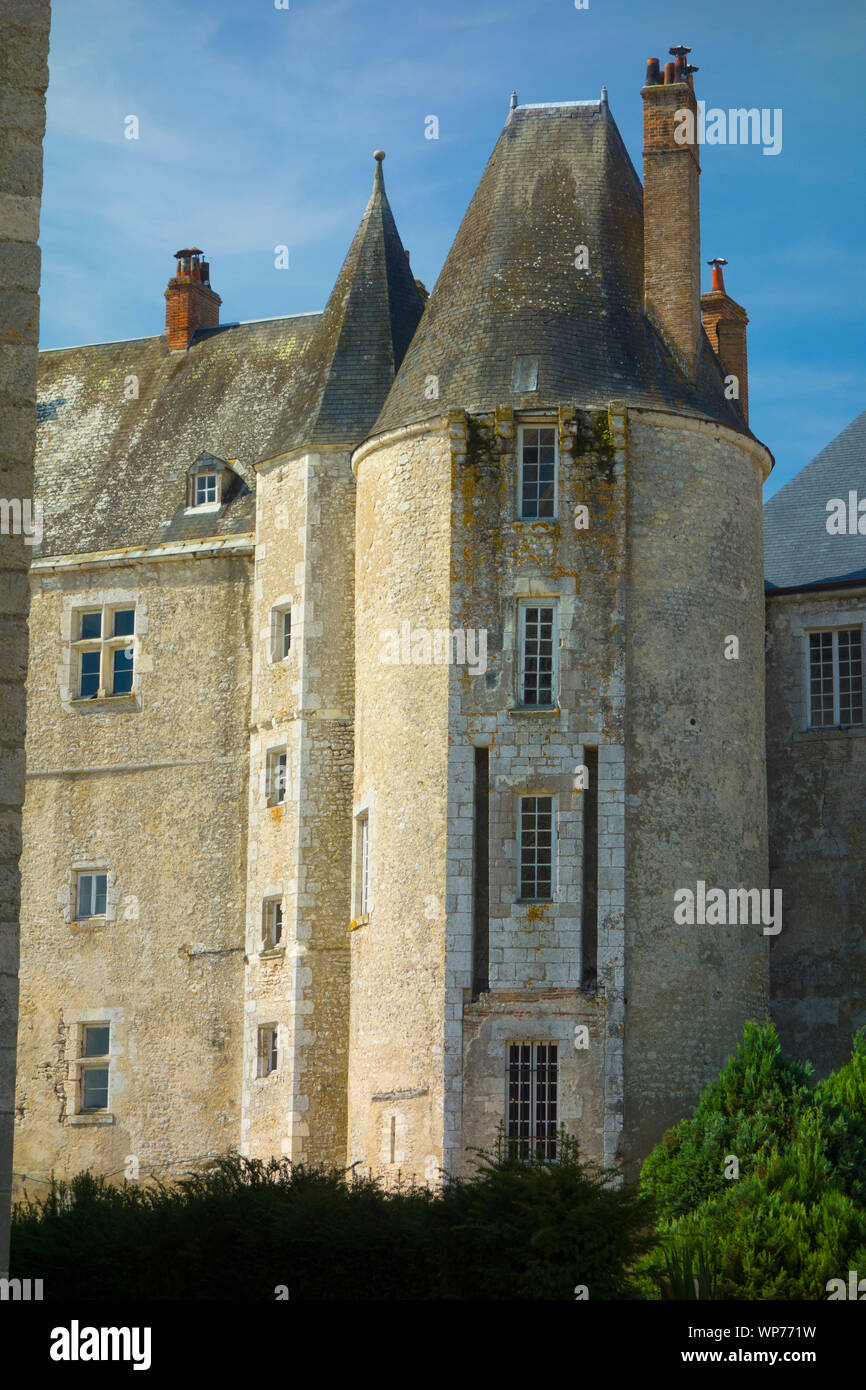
<point x="393" y="668"/>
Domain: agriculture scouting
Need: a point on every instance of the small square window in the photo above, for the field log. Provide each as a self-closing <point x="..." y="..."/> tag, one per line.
<point x="96" y="1039"/>
<point x="91" y="895"/>
<point x="206" y="489"/>
<point x="124" y="622"/>
<point x="90" y="626"/>
<point x="94" y="1088"/>
<point x="268" y="1049"/>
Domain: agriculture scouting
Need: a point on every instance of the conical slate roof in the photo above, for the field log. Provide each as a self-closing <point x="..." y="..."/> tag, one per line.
<point x="559" y="178"/>
<point x="799" y="551"/>
<point x="360" y="340"/>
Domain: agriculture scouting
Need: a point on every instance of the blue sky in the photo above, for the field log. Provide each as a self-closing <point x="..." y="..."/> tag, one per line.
<point x="257" y="127"/>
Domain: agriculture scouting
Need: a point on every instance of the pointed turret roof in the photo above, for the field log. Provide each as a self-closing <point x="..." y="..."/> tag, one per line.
<point x="360" y="340"/>
<point x="799" y="551"/>
<point x="512" y="305"/>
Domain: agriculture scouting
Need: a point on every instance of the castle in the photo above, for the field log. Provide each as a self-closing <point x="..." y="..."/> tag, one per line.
<point x="393" y="669"/>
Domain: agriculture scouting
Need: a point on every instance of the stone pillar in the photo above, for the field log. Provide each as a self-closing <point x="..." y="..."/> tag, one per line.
<point x="23" y="76"/>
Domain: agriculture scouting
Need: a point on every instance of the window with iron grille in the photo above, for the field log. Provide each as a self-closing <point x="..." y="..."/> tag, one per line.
<point x="538" y="460"/>
<point x="538" y="654"/>
<point x="532" y="1088"/>
<point x="268" y="1049"/>
<point x="104" y="650"/>
<point x="536" y="848"/>
<point x="94" y="1066"/>
<point x="835" y="678"/>
<point x="272" y="923"/>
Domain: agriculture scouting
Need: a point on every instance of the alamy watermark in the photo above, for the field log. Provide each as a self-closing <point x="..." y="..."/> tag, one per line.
<point x="738" y="126"/>
<point x="419" y="646"/>
<point x="717" y="907"/>
<point x="21" y="518"/>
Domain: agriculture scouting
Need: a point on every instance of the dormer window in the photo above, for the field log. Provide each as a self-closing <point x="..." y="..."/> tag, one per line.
<point x="206" y="488"/>
<point x="210" y="483"/>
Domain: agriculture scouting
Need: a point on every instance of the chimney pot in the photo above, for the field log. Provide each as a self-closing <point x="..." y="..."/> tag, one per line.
<point x="653" y="73"/>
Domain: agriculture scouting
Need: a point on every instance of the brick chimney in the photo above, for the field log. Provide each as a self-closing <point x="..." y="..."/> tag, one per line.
<point x="671" y="207"/>
<point x="190" y="303"/>
<point x="725" y="321"/>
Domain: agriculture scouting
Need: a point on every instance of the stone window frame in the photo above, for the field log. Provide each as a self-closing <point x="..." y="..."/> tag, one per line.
<point x="523" y="603"/>
<point x="268" y="1049"/>
<point x="818" y="618"/>
<point x="523" y="424"/>
<point x="530" y="793"/>
<point x="269" y="901"/>
<point x="107" y="644"/>
<point x="279" y="609"/>
<point x="68" y="895"/>
<point x="107" y="600"/>
<point x="361" y="879"/>
<point x="272" y="777"/>
<point x="75" y="1022"/>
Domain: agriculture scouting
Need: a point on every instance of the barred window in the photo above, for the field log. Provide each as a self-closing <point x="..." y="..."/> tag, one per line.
<point x="538" y="654"/>
<point x="268" y="1049"/>
<point x="835" y="678"/>
<point x="532" y="1086"/>
<point x="537" y="472"/>
<point x="536" y="848"/>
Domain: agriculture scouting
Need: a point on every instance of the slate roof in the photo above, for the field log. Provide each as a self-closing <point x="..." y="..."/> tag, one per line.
<point x="559" y="177"/>
<point x="799" y="552"/>
<point x="361" y="339"/>
<point x="111" y="472"/>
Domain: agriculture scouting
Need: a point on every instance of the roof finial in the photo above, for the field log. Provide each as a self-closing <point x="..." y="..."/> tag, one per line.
<point x="379" y="155"/>
<point x="604" y="96"/>
<point x="513" y="102"/>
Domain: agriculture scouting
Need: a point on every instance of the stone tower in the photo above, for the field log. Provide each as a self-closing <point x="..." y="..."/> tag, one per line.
<point x="299" y="857"/>
<point x="557" y="480"/>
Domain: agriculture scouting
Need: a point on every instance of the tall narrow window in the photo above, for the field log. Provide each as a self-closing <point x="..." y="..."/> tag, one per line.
<point x="589" y="911"/>
<point x="536" y="848"/>
<point x="481" y="875"/>
<point x="276" y="773"/>
<point x="537" y="472"/>
<point x="94" y="1066"/>
<point x="362" y="865"/>
<point x="281" y="632"/>
<point x="90" y="895"/>
<point x="538" y="654"/>
<point x="268" y="1049"/>
<point x="532" y="1087"/>
<point x="272" y="923"/>
<point x="835" y="678"/>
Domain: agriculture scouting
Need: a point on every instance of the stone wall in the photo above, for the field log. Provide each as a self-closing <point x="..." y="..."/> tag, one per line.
<point x="152" y="789"/>
<point x="24" y="26"/>
<point x="817" y="796"/>
<point x="300" y="850"/>
<point x="695" y="758"/>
